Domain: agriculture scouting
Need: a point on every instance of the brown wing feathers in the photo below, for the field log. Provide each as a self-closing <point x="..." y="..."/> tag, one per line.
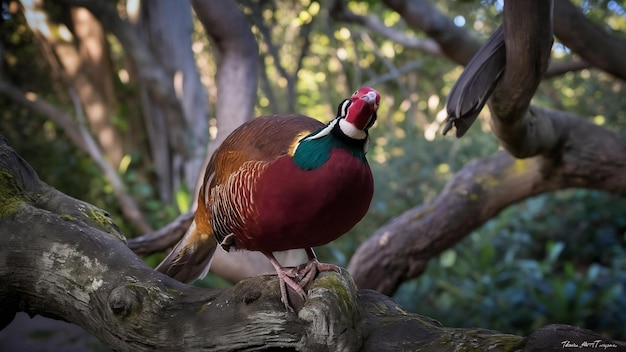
<point x="272" y="137"/>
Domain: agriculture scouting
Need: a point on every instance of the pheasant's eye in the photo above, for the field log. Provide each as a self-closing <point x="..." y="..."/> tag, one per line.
<point x="355" y="92"/>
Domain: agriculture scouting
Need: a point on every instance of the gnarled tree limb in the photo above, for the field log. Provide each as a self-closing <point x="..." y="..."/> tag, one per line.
<point x="528" y="38"/>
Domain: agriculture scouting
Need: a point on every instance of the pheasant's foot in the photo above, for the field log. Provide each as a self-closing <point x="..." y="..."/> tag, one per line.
<point x="311" y="269"/>
<point x="286" y="278"/>
<point x="298" y="278"/>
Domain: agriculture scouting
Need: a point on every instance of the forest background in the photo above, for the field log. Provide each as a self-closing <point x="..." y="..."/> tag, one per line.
<point x="553" y="258"/>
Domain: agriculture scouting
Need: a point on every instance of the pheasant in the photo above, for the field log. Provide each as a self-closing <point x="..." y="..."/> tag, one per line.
<point x="278" y="183"/>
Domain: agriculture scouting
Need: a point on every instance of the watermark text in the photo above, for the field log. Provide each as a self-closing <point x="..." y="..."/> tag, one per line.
<point x="599" y="344"/>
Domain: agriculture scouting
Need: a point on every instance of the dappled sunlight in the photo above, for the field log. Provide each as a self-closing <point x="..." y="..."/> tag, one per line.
<point x="31" y="96"/>
<point x="432" y="129"/>
<point x="443" y="169"/>
<point x="123" y="75"/>
<point x="478" y="25"/>
<point x="433" y="102"/>
<point x="178" y="83"/>
<point x="64" y="33"/>
<point x="459" y="21"/>
<point x="599" y="120"/>
<point x="36" y="18"/>
<point x="124" y="164"/>
<point x="133" y="8"/>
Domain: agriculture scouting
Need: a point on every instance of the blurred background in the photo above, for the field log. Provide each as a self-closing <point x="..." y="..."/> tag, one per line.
<point x="553" y="258"/>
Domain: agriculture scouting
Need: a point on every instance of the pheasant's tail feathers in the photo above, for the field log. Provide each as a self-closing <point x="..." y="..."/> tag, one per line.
<point x="191" y="257"/>
<point x="474" y="87"/>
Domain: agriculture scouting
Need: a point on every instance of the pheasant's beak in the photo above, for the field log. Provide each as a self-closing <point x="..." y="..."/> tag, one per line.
<point x="370" y="95"/>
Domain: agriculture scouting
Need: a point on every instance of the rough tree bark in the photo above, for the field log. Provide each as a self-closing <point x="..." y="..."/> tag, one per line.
<point x="65" y="259"/>
<point x="561" y="151"/>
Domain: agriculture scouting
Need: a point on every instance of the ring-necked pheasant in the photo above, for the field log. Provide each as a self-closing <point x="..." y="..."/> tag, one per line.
<point x="278" y="183"/>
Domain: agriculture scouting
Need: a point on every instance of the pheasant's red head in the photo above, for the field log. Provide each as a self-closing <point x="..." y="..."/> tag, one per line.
<point x="358" y="113"/>
<point x="355" y="116"/>
<point x="362" y="111"/>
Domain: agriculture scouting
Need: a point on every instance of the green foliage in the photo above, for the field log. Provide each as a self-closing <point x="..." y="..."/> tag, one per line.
<point x="530" y="266"/>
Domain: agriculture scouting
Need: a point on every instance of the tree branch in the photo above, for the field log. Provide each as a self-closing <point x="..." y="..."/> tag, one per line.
<point x="177" y="143"/>
<point x="148" y="68"/>
<point x="567" y="151"/>
<point x="454" y="42"/>
<point x="163" y="238"/>
<point x="594" y="44"/>
<point x="178" y="127"/>
<point x="274" y="52"/>
<point x="528" y="38"/>
<point x="65" y="259"/>
<point x="558" y="68"/>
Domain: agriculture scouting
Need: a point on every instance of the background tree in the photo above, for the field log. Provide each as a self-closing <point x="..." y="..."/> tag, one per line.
<point x="568" y="245"/>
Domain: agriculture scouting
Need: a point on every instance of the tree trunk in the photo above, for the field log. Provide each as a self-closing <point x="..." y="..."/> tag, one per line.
<point x="238" y="66"/>
<point x="183" y="123"/>
<point x="65" y="259"/>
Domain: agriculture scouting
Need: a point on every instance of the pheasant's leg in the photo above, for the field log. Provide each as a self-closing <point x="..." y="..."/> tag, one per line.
<point x="285" y="278"/>
<point x="313" y="267"/>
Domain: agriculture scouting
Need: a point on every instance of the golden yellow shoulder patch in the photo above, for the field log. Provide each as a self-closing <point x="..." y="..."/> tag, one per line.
<point x="296" y="141"/>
